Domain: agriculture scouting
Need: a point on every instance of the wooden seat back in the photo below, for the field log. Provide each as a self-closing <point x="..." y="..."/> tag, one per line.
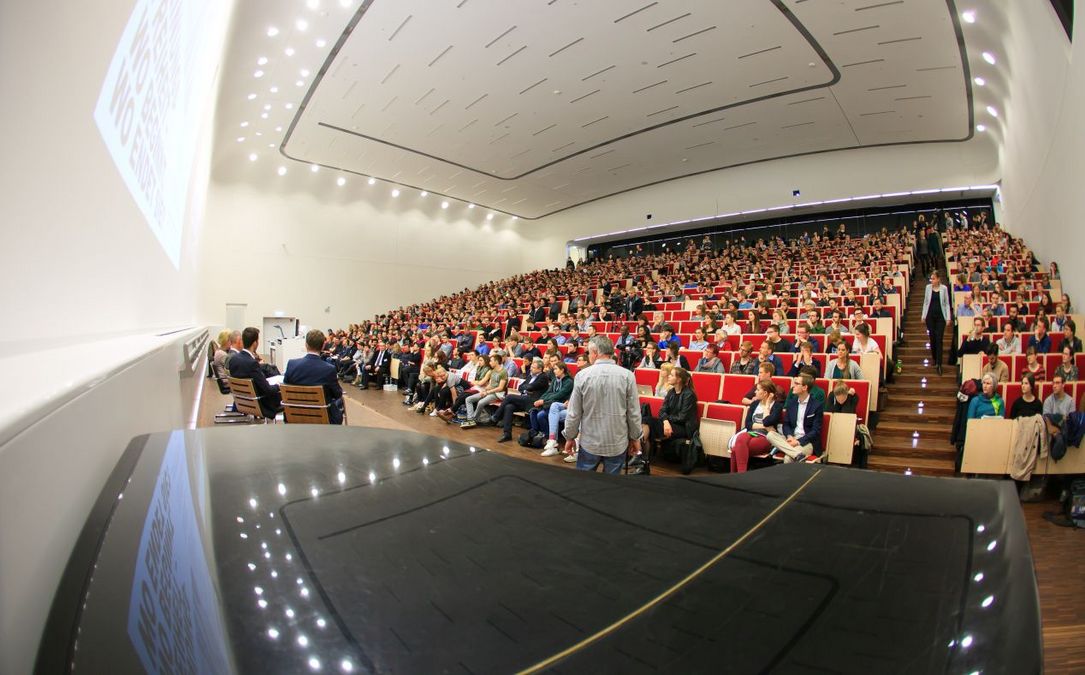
<point x="304" y="404"/>
<point x="245" y="399"/>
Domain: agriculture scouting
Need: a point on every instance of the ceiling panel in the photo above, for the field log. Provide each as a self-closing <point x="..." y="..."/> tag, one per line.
<point x="530" y="107"/>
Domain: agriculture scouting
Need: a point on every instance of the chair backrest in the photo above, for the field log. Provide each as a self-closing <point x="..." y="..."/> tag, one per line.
<point x="303" y="404"/>
<point x="655" y="403"/>
<point x="245" y="399"/>
<point x="736" y="386"/>
<point x="707" y="386"/>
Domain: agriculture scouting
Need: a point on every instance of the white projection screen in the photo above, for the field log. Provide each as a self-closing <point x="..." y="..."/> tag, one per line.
<point x="159" y="87"/>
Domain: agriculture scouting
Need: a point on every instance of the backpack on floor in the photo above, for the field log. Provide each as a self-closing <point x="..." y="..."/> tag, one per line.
<point x="525" y="439"/>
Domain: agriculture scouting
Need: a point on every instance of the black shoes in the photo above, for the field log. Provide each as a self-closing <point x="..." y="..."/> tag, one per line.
<point x="505" y="438"/>
<point x="939" y="368"/>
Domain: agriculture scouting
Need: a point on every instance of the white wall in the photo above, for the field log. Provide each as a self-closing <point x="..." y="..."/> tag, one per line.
<point x="78" y="259"/>
<point x="834" y="175"/>
<point x="1043" y="158"/>
<point x="360" y="255"/>
<point x="79" y="267"/>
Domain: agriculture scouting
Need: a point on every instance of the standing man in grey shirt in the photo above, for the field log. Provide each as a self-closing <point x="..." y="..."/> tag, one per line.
<point x="603" y="412"/>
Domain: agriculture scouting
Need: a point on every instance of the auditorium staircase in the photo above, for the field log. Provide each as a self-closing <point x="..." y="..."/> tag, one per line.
<point x="913" y="429"/>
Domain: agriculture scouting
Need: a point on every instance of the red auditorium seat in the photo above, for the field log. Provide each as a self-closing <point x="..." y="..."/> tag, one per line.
<point x="735" y="387"/>
<point x="654" y="403"/>
<point x="648" y="376"/>
<point x="707" y="386"/>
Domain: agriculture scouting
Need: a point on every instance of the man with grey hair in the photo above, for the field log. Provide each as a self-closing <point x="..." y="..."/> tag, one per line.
<point x="604" y="412"/>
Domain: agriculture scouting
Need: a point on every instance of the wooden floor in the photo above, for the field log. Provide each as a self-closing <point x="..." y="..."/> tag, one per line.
<point x="1056" y="551"/>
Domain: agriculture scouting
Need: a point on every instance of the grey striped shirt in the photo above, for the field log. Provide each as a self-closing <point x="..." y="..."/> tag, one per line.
<point x="604" y="409"/>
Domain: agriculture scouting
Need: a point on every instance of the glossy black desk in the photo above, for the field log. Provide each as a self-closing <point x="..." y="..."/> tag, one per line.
<point x="325" y="549"/>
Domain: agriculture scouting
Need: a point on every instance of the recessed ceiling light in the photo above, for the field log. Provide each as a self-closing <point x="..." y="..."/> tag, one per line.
<point x="240" y="139"/>
<point x="314" y="168"/>
<point x="981" y="127"/>
<point x="252" y="96"/>
<point x="252" y="157"/>
<point x="244" y="124"/>
<point x="470" y="206"/>
<point x="263" y="115"/>
<point x="259" y="133"/>
<point x="489" y="216"/>
<point x="289" y="51"/>
<point x="312" y="4"/>
<point x="969" y="16"/>
<point x="991" y="111"/>
<point x="424" y="193"/>
<point x="980" y="81"/>
<point x="272" y="31"/>
<point x="274" y="90"/>
<point x="267" y="106"/>
<point x="372" y="180"/>
<point x="444" y="205"/>
<point x="258" y="74"/>
<point x="395" y="192"/>
<point x="278" y="128"/>
<point x="301" y="24"/>
<point x="262" y="61"/>
<point x="340" y="181"/>
<point x="300" y="83"/>
<point x="289" y="106"/>
<point x="271" y="145"/>
<point x="345" y="3"/>
<point x="321" y="43"/>
<point x="516" y="217"/>
<point x="988" y="57"/>
<point x="282" y="170"/>
<point x="305" y="72"/>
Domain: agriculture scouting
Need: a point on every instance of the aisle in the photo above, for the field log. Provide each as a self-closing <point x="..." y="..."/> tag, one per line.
<point x="913" y="429"/>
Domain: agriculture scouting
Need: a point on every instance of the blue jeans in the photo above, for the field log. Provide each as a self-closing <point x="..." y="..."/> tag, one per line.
<point x="537" y="420"/>
<point x="555" y="417"/>
<point x="585" y="461"/>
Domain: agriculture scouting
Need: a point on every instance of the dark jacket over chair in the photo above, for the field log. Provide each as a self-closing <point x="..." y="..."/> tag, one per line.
<point x="244" y="366"/>
<point x="310" y="370"/>
<point x="812" y="423"/>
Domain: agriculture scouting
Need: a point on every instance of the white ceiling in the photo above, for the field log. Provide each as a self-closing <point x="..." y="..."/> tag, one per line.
<point x="529" y="107"/>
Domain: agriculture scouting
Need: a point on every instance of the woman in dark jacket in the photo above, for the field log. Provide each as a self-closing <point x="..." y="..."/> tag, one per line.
<point x="763" y="415"/>
<point x="679" y="417"/>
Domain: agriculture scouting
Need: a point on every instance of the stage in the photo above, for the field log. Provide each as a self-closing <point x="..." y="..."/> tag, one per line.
<point x="300" y="548"/>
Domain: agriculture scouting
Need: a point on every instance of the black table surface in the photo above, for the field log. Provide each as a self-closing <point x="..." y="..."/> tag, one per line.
<point x="292" y="548"/>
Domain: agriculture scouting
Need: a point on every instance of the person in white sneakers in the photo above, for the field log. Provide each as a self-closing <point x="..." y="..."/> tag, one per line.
<point x="546" y="414"/>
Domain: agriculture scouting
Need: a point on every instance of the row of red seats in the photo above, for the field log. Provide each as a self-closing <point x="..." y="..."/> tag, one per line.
<point x="711" y="387"/>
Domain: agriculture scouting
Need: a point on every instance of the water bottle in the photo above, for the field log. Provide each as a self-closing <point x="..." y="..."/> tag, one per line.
<point x="899" y="366"/>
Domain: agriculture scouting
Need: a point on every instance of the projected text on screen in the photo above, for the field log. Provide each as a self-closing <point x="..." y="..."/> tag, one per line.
<point x="152" y="103"/>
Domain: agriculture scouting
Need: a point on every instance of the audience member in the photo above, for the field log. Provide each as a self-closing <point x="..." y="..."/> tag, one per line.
<point x="1027" y="404"/>
<point x="679" y="416"/>
<point x="710" y="361"/>
<point x="994" y="365"/>
<point x="800" y="434"/>
<point x="936" y="314"/>
<point x="533" y="386"/>
<point x="603" y="421"/>
<point x="1066" y="368"/>
<point x="548" y="412"/>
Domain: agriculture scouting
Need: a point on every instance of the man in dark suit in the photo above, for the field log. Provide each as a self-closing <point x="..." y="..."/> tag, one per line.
<point x="634" y="305"/>
<point x="539" y="314"/>
<point x="246" y="366"/>
<point x="311" y="370"/>
<point x="555" y="309"/>
<point x="378" y="366"/>
<point x="801" y="435"/>
<point x="531" y="389"/>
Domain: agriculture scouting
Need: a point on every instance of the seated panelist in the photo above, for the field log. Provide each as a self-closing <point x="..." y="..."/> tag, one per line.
<point x="311" y="370"/>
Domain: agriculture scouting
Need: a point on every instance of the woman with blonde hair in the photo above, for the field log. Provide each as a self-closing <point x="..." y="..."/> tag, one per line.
<point x="663" y="384"/>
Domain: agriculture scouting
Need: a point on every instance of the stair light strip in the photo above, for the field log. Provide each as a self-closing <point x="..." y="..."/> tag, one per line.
<point x="724" y="216"/>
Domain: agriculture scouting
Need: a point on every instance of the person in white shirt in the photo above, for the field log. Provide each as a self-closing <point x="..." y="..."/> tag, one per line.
<point x="864" y="344"/>
<point x="728" y="327"/>
<point x="1009" y="343"/>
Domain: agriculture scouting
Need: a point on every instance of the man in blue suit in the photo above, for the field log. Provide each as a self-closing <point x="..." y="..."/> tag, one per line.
<point x="802" y="423"/>
<point x="311" y="370"/>
<point x="245" y="365"/>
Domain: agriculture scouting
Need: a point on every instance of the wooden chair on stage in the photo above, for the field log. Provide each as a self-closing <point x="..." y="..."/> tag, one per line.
<point x="306" y="404"/>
